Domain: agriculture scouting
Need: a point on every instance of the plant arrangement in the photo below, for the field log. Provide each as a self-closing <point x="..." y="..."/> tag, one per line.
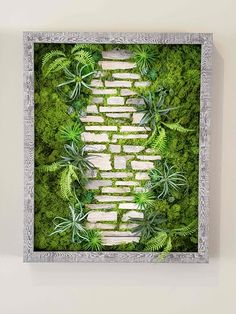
<point x="170" y="110"/>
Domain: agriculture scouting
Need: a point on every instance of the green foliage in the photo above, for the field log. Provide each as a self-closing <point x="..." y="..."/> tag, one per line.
<point x="145" y="57"/>
<point x="165" y="179"/>
<point x="93" y="241"/>
<point x="68" y="176"/>
<point x="73" y="224"/>
<point x="144" y="200"/>
<point x="71" y="133"/>
<point x="78" y="79"/>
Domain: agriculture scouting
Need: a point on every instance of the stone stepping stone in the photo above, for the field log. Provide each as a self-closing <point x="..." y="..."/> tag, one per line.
<point x="94" y="148"/>
<point x="128" y="128"/>
<point x="142" y="84"/>
<point x="96" y="83"/>
<point x="118" y="84"/>
<point x="137" y="117"/>
<point x="118" y="115"/>
<point x="128" y="206"/>
<point x="145" y="157"/>
<point x="127" y="92"/>
<point x="118" y="234"/>
<point x="99" y="225"/>
<point x="100" y="161"/>
<point x="135" y="101"/>
<point x="91" y="119"/>
<point x="127" y="183"/>
<point x="128" y="136"/>
<point x="120" y="161"/>
<point x="116" y="174"/>
<point x="109" y="241"/>
<point x="101" y="128"/>
<point x="133" y="148"/>
<point x="115" y="100"/>
<point x="117" y="109"/>
<point x="116" y="65"/>
<point x="94" y="216"/>
<point x="142" y="165"/>
<point x="112" y="198"/>
<point x="142" y="176"/>
<point x="96" y="184"/>
<point x="110" y="91"/>
<point x="91" y="109"/>
<point x="118" y="190"/>
<point x="97" y="100"/>
<point x="115" y="148"/>
<point x="132" y="214"/>
<point x="127" y="226"/>
<point x="100" y="206"/>
<point x="117" y="54"/>
<point x="128" y="76"/>
<point x="94" y="137"/>
<point x="91" y="173"/>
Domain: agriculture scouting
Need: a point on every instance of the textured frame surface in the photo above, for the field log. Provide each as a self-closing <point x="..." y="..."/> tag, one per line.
<point x="206" y="42"/>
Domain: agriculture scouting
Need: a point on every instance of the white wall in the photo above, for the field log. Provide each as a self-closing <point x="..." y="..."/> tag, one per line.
<point x="117" y="288"/>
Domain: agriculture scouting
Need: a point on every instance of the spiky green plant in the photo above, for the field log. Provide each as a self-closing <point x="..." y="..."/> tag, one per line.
<point x="145" y="57"/>
<point x="163" y="239"/>
<point x="57" y="60"/>
<point x="165" y="179"/>
<point x="74" y="223"/>
<point x="93" y="241"/>
<point x="148" y="225"/>
<point x="71" y="133"/>
<point x="78" y="79"/>
<point x="145" y="200"/>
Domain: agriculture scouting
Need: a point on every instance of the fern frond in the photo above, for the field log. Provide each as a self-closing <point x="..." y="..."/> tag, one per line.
<point x="68" y="176"/>
<point x="57" y="65"/>
<point x="85" y="58"/>
<point x="50" y="55"/>
<point x="87" y="46"/>
<point x="49" y="168"/>
<point x="160" y="142"/>
<point x="166" y="250"/>
<point x="156" y="243"/>
<point x="187" y="230"/>
<point x="176" y="127"/>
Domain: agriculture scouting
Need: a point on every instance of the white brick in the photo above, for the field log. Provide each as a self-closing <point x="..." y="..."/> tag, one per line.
<point x="116" y="174"/>
<point x="140" y="189"/>
<point x="104" y="91"/>
<point x="142" y="165"/>
<point x="128" y="76"/>
<point x="94" y="216"/>
<point x="90" y="119"/>
<point x="117" y="234"/>
<point x="101" y="226"/>
<point x="98" y="74"/>
<point x="96" y="184"/>
<point x="94" y="137"/>
<point x="127" y="92"/>
<point x="145" y="157"/>
<point x="96" y="83"/>
<point x="115" y="148"/>
<point x="117" y="109"/>
<point x="149" y="151"/>
<point x="135" y="101"/>
<point x="117" y="54"/>
<point x="112" y="198"/>
<point x="142" y="176"/>
<point x="120" y="161"/>
<point x="128" y="128"/>
<point x="127" y="226"/>
<point x="117" y="83"/>
<point x="132" y="214"/>
<point x="91" y="173"/>
<point x="108" y="128"/>
<point x="137" y="117"/>
<point x="116" y="65"/>
<point x="129" y="136"/>
<point x="115" y="100"/>
<point x="142" y="84"/>
<point x="100" y="161"/>
<point x="110" y="241"/>
<point x="97" y="100"/>
<point x="128" y="206"/>
<point x="115" y="190"/>
<point x="100" y="206"/>
<point x="133" y="148"/>
<point x="127" y="183"/>
<point x="91" y="109"/>
<point x="118" y="115"/>
<point x="94" y="148"/>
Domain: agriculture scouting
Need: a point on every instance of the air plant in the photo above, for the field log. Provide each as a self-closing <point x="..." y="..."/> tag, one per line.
<point x="93" y="241"/>
<point x="145" y="200"/>
<point x="78" y="79"/>
<point x="166" y="179"/>
<point x="71" y="133"/>
<point x="145" y="57"/>
<point x="72" y="223"/>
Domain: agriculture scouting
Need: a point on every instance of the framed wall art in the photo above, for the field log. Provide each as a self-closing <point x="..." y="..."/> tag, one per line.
<point x="116" y="147"/>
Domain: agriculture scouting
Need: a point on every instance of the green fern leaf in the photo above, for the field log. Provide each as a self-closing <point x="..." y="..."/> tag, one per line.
<point x="50" y="55"/>
<point x="156" y="243"/>
<point x="57" y="65"/>
<point x="160" y="142"/>
<point x="187" y="230"/>
<point x="166" y="250"/>
<point x="49" y="168"/>
<point x="87" y="46"/>
<point x="68" y="176"/>
<point x="84" y="57"/>
<point x="176" y="127"/>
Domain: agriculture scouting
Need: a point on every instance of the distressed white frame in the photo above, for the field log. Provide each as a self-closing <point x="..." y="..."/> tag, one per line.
<point x="205" y="40"/>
